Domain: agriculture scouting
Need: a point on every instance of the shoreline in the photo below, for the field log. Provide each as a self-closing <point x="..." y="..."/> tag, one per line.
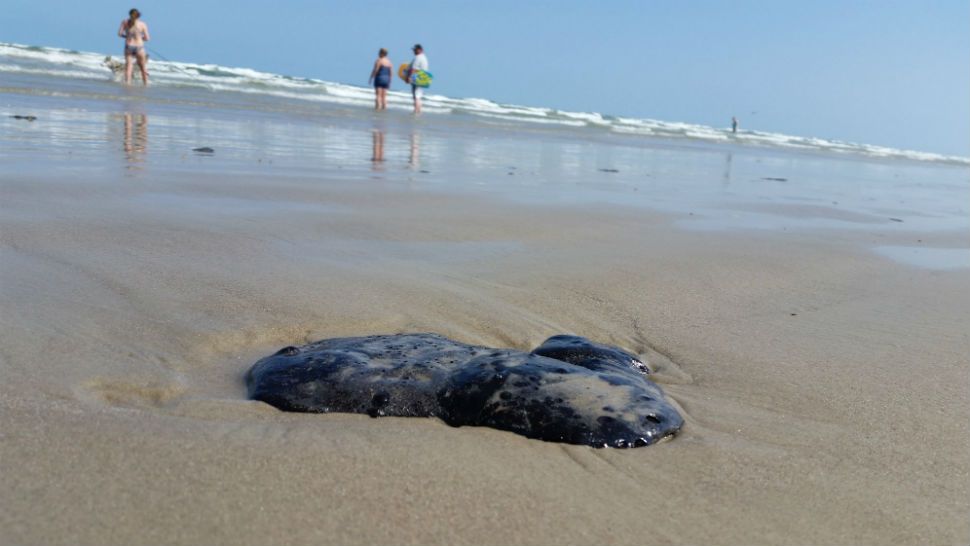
<point x="310" y="95"/>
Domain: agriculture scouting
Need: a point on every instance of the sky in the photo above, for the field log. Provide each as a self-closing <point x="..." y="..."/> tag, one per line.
<point x="879" y="72"/>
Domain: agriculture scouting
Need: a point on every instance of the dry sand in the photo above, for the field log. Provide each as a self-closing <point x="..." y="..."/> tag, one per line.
<point x="825" y="387"/>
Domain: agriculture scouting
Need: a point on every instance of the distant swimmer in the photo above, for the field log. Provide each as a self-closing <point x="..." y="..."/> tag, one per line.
<point x="381" y="77"/>
<point x="135" y="33"/>
<point x="734" y="125"/>
<point x="420" y="62"/>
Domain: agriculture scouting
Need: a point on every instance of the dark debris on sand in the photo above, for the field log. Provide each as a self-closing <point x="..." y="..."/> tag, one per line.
<point x="569" y="389"/>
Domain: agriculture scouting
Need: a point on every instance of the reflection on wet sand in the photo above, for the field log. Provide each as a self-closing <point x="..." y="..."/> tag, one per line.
<point x="135" y="139"/>
<point x="728" y="166"/>
<point x="415" y="158"/>
<point x="378" y="138"/>
<point x="377" y="157"/>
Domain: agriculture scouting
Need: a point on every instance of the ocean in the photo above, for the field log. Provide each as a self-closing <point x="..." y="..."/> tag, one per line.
<point x="255" y="120"/>
<point x="187" y="83"/>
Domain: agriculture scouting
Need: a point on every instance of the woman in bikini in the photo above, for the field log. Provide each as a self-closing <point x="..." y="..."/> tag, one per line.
<point x="135" y="33"/>
<point x="381" y="76"/>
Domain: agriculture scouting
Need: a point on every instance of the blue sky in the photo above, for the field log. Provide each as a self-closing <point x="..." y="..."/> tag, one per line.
<point x="887" y="72"/>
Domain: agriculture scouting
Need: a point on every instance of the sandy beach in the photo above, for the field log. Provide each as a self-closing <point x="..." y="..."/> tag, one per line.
<point x="808" y="314"/>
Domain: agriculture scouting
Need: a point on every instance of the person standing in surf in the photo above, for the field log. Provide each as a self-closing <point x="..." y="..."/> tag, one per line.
<point x="420" y="62"/>
<point x="135" y="33"/>
<point x="381" y="77"/>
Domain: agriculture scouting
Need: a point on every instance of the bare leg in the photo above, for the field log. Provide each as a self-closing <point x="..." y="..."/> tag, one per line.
<point x="417" y="100"/>
<point x="128" y="67"/>
<point x="143" y="66"/>
<point x="377" y="98"/>
<point x="383" y="99"/>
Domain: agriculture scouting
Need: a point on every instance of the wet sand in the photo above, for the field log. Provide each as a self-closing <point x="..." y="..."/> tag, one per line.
<point x="824" y="385"/>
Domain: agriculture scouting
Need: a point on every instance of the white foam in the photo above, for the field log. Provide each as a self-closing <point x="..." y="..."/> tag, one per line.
<point x="519" y="119"/>
<point x="592" y="118"/>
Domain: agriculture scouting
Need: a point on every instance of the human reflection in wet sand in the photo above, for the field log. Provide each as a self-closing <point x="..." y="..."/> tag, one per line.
<point x="136" y="139"/>
<point x="414" y="160"/>
<point x="377" y="151"/>
<point x="377" y="158"/>
<point x="728" y="165"/>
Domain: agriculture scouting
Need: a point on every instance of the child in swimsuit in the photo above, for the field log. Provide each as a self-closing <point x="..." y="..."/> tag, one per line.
<point x="135" y="33"/>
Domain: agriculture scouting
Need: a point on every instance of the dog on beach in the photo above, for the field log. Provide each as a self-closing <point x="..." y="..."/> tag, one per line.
<point x="118" y="68"/>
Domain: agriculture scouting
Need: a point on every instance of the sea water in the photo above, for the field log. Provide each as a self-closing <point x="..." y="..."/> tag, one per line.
<point x="254" y="121"/>
<point x="180" y="82"/>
